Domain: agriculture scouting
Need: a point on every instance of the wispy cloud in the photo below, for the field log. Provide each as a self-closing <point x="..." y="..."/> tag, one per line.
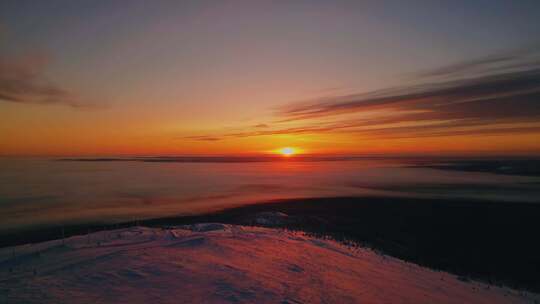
<point x="517" y="59"/>
<point x="23" y="80"/>
<point x="203" y="138"/>
<point x="497" y="94"/>
<point x="513" y="94"/>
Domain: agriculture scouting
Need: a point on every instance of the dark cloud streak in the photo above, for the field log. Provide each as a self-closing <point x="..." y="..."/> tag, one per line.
<point x="497" y="94"/>
<point x="22" y="80"/>
<point x="463" y="97"/>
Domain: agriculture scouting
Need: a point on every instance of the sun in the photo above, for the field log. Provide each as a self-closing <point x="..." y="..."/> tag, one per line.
<point x="287" y="151"/>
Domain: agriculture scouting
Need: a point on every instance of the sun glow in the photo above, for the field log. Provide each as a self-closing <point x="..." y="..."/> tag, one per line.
<point x="288" y="151"/>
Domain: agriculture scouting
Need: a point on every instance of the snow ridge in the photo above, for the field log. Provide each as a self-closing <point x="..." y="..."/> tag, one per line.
<point x="218" y="263"/>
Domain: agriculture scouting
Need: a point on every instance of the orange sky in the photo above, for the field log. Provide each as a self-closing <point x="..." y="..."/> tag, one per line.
<point x="247" y="77"/>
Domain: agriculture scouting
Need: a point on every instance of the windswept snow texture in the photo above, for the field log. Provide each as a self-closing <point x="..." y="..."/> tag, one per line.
<point x="215" y="263"/>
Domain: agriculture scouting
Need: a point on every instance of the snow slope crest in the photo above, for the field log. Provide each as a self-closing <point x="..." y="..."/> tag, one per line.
<point x="217" y="263"/>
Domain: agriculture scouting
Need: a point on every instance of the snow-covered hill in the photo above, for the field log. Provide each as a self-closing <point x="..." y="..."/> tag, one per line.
<point x="215" y="263"/>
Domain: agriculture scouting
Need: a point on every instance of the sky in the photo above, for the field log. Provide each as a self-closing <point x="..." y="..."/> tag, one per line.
<point x="82" y="78"/>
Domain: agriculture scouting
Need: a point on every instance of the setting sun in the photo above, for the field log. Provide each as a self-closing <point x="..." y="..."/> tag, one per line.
<point x="288" y="151"/>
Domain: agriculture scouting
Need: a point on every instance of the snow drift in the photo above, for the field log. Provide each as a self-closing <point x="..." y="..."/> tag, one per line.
<point x="216" y="263"/>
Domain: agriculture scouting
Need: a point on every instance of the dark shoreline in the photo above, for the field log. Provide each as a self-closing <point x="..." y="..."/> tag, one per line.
<point x="492" y="241"/>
